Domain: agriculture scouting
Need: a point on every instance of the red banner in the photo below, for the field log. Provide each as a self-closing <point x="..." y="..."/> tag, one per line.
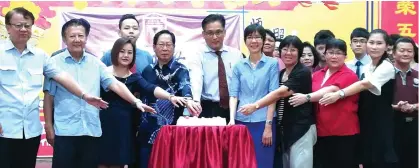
<point x="45" y="150"/>
<point x="400" y="17"/>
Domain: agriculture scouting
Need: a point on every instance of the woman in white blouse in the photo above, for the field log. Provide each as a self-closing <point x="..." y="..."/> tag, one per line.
<point x="375" y="110"/>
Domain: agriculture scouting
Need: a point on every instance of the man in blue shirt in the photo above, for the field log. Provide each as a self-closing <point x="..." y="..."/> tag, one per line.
<point x="76" y="124"/>
<point x="129" y="28"/>
<point x="21" y="70"/>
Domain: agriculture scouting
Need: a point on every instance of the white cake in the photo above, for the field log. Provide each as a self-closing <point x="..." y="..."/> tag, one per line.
<point x="195" y="121"/>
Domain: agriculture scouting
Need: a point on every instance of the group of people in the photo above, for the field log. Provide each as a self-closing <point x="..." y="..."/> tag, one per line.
<point x="303" y="105"/>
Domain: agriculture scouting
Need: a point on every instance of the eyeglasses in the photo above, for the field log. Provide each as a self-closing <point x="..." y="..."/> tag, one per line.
<point x="257" y="38"/>
<point x="217" y="33"/>
<point x="291" y="50"/>
<point x="331" y="53"/>
<point x="20" y="26"/>
<point x="162" y="45"/>
<point x="363" y="41"/>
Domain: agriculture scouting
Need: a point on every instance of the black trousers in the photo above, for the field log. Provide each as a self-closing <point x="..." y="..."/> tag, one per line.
<point x="19" y="153"/>
<point x="406" y="140"/>
<point x="213" y="109"/>
<point x="335" y="152"/>
<point x="75" y="151"/>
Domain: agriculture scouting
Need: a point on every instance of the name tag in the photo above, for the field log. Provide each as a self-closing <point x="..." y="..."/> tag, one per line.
<point x="409" y="119"/>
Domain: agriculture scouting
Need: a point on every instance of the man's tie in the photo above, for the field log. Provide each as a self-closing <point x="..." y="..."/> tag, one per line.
<point x="358" y="69"/>
<point x="222" y="82"/>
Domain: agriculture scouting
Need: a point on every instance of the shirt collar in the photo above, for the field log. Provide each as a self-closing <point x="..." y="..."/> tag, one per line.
<point x="340" y="69"/>
<point x="366" y="59"/>
<point x="407" y="72"/>
<point x="168" y="65"/>
<point x="207" y="49"/>
<point x="263" y="59"/>
<point x="68" y="55"/>
<point x="9" y="45"/>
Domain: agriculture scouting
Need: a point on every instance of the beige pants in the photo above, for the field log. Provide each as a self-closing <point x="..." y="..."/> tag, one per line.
<point x="300" y="155"/>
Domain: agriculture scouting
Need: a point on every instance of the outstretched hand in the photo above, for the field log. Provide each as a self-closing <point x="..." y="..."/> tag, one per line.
<point x="95" y="101"/>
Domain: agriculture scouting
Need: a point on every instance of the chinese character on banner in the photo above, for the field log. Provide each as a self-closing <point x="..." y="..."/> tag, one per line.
<point x="406" y="30"/>
<point x="406" y="14"/>
<point x="279" y="33"/>
<point x="256" y="21"/>
<point x="405" y="7"/>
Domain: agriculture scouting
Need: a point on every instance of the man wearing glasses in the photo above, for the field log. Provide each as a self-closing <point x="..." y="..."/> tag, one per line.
<point x="172" y="76"/>
<point x="22" y="67"/>
<point x="359" y="38"/>
<point x="211" y="67"/>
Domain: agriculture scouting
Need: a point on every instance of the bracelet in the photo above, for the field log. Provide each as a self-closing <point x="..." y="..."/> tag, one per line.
<point x="82" y="96"/>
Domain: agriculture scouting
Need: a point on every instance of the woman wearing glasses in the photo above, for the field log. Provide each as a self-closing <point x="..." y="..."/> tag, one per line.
<point x="376" y="115"/>
<point x="296" y="126"/>
<point x="337" y="124"/>
<point x="253" y="78"/>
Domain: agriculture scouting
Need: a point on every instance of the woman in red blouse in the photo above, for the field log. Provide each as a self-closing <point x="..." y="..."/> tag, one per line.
<point x="337" y="124"/>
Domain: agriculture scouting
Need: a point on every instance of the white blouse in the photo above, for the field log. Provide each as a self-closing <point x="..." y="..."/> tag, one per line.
<point x="379" y="76"/>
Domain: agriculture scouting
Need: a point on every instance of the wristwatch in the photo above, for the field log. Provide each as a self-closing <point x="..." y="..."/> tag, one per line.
<point x="269" y="122"/>
<point x="341" y="94"/>
<point x="308" y="97"/>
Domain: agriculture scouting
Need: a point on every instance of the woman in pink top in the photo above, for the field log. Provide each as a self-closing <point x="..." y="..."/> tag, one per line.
<point x="269" y="48"/>
<point x="310" y="56"/>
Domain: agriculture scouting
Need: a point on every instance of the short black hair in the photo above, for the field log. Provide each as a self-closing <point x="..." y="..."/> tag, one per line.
<point x="270" y="33"/>
<point x="125" y="17"/>
<point x="76" y="22"/>
<point x="393" y="39"/>
<point x="322" y="37"/>
<point x="213" y="18"/>
<point x="294" y="41"/>
<point x="254" y="28"/>
<point x="158" y="34"/>
<point x="19" y="10"/>
<point x="117" y="47"/>
<point x="360" y="32"/>
<point x="338" y="44"/>
<point x="407" y="40"/>
<point x="314" y="51"/>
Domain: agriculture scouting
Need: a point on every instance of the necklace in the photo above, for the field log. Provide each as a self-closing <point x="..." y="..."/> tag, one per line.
<point x="125" y="76"/>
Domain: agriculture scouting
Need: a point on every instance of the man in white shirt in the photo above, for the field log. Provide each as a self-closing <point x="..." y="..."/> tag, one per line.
<point x="359" y="38"/>
<point x="211" y="68"/>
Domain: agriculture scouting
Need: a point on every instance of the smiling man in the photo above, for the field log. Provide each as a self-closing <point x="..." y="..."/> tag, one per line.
<point x="129" y="28"/>
<point x="211" y="68"/>
<point x="21" y="69"/>
<point x="76" y="125"/>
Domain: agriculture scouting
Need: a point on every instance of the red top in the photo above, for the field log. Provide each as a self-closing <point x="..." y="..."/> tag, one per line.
<point x="339" y="118"/>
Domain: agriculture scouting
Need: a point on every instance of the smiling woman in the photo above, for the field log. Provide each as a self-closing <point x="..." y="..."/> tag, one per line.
<point x="253" y="78"/>
<point x="344" y="127"/>
<point x="376" y="87"/>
